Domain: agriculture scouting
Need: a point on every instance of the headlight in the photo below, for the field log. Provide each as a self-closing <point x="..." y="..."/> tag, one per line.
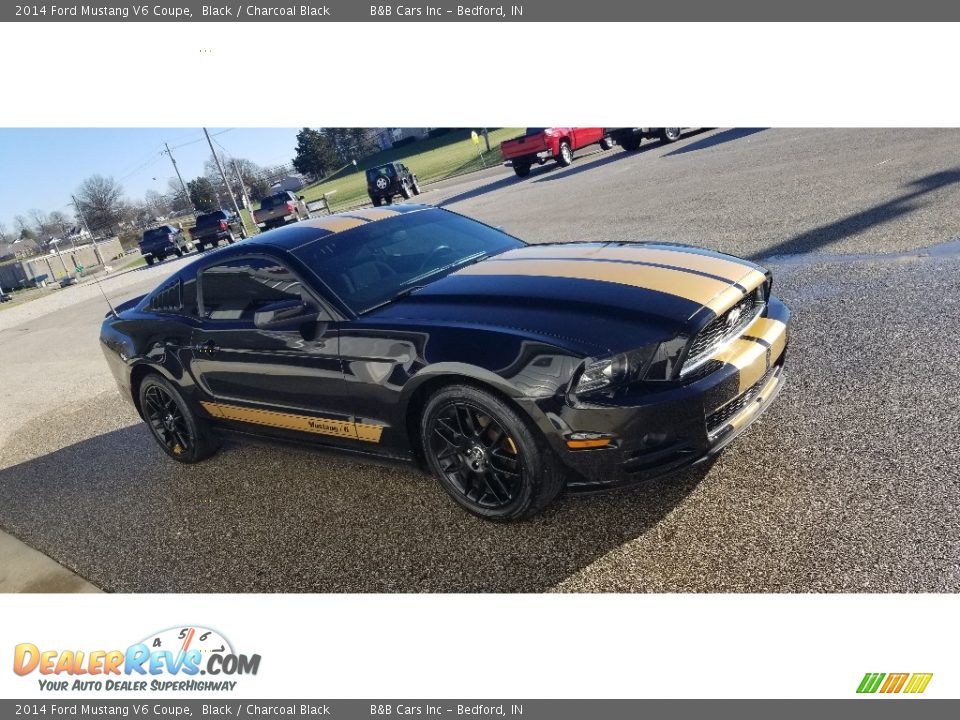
<point x="663" y="364"/>
<point x="613" y="371"/>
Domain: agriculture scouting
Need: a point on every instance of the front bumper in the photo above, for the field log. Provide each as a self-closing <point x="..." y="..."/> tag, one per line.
<point x="655" y="433"/>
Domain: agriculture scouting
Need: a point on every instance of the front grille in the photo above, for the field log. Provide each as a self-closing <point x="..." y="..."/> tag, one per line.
<point x="721" y="330"/>
<point x="718" y="419"/>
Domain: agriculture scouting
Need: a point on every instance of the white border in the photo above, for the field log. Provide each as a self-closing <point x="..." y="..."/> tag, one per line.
<point x="495" y="74"/>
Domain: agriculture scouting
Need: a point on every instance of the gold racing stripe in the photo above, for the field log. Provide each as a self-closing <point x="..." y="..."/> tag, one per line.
<point x="334" y="224"/>
<point x="373" y="213"/>
<point x="290" y="421"/>
<point x="749" y="357"/>
<point x="698" y="288"/>
<point x="772" y="332"/>
<point x="638" y="253"/>
<point x="738" y="420"/>
<point x="752" y="358"/>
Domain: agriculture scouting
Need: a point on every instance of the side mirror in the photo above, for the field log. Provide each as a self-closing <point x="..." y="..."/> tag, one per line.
<point x="302" y="197"/>
<point x="284" y="315"/>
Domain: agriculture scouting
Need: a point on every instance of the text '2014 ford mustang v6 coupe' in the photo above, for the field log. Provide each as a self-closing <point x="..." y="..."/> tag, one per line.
<point x="511" y="371"/>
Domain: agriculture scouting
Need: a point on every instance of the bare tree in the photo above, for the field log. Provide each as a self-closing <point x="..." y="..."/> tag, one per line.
<point x="101" y="202"/>
<point x="156" y="203"/>
<point x="179" y="202"/>
<point x="61" y="221"/>
<point x="4" y="236"/>
<point x="23" y="228"/>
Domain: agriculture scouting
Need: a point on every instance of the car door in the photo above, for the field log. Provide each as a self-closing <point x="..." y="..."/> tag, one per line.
<point x="277" y="374"/>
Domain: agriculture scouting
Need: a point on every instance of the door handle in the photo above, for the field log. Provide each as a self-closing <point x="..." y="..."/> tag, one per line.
<point x="207" y="347"/>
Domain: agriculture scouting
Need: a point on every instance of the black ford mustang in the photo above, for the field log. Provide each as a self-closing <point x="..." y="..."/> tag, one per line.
<point x="510" y="370"/>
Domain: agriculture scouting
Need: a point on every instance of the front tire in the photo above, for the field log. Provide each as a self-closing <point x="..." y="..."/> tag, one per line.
<point x="565" y="157"/>
<point x="630" y="142"/>
<point x="485" y="456"/>
<point x="178" y="430"/>
<point x="415" y="187"/>
<point x="606" y="143"/>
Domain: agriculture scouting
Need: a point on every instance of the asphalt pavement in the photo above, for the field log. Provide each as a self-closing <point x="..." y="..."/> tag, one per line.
<point x="849" y="483"/>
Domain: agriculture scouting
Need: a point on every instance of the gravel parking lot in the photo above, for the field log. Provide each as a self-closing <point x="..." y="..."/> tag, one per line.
<point x="849" y="483"/>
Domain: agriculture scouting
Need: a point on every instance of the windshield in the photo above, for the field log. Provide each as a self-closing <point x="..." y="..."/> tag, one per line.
<point x="374" y="263"/>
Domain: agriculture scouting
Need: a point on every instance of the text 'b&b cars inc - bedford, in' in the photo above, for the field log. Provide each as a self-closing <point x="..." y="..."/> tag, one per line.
<point x="511" y="371"/>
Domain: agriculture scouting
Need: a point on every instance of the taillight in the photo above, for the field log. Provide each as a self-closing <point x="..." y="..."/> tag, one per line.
<point x="223" y="224"/>
<point x="289" y="207"/>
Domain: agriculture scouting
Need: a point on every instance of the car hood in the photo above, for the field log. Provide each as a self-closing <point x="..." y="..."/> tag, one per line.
<point x="591" y="298"/>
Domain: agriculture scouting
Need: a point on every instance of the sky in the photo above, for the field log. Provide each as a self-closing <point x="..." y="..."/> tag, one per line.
<point x="40" y="168"/>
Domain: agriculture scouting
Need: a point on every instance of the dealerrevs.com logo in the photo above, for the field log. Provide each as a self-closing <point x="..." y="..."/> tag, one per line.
<point x="172" y="659"/>
<point x="893" y="683"/>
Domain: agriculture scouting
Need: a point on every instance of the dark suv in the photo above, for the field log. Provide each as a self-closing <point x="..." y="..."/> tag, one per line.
<point x="386" y="181"/>
<point x="161" y="242"/>
<point x="212" y="227"/>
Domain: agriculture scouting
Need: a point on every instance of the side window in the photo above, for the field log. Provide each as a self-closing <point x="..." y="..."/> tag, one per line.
<point x="237" y="289"/>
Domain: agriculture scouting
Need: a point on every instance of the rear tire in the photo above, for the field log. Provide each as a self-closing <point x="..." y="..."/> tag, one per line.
<point x="416" y="187"/>
<point x="565" y="156"/>
<point x="376" y="201"/>
<point x="669" y="135"/>
<point x="179" y="431"/>
<point x="405" y="191"/>
<point x="149" y="259"/>
<point x="630" y="142"/>
<point x="178" y="252"/>
<point x="606" y="143"/>
<point x="231" y="239"/>
<point x="486" y="456"/>
<point x="521" y="169"/>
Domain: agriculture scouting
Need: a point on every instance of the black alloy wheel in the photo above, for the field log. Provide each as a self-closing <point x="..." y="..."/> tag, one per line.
<point x="182" y="435"/>
<point x="167" y="422"/>
<point x="485" y="456"/>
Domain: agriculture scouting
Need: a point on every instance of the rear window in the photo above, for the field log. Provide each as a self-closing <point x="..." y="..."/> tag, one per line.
<point x="387" y="170"/>
<point x="159" y="233"/>
<point x="274" y="201"/>
<point x="534" y="131"/>
<point x="211" y="218"/>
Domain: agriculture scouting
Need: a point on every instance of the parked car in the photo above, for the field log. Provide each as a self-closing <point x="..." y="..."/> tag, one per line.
<point x="510" y="371"/>
<point x="212" y="227"/>
<point x="67" y="281"/>
<point x="280" y="209"/>
<point x="385" y="182"/>
<point x="162" y="242"/>
<point x="538" y="145"/>
<point x="630" y="138"/>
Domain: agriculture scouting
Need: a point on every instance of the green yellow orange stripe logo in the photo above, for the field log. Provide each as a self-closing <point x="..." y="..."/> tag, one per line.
<point x="892" y="683"/>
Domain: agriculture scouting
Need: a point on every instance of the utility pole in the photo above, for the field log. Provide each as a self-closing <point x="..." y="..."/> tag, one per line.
<point x="224" y="176"/>
<point x="183" y="185"/>
<point x="83" y="221"/>
<point x="243" y="194"/>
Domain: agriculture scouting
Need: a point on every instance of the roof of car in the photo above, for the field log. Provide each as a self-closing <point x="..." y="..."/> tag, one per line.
<point x="299" y="233"/>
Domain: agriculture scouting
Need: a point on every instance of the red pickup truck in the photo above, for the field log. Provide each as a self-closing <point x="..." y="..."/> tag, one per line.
<point x="537" y="145"/>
